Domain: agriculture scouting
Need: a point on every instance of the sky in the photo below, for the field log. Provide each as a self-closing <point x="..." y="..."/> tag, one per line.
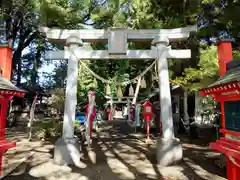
<point x="45" y="68"/>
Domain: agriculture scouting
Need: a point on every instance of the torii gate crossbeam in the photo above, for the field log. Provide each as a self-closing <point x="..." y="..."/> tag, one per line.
<point x="61" y="35"/>
<point x="103" y="54"/>
<point x="117" y="49"/>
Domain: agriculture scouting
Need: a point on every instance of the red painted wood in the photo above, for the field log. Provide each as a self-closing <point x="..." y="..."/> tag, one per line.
<point x="233" y="171"/>
<point x="1" y="171"/>
<point x="226" y="144"/>
<point x="217" y="95"/>
<point x="6" y="67"/>
<point x="221" y="89"/>
<point x="223" y="115"/>
<point x="2" y="100"/>
<point x="7" y="145"/>
<point x="224" y="131"/>
<point x="147" y="106"/>
<point x="4" y="141"/>
<point x="227" y="98"/>
<point x="227" y="151"/>
<point x="11" y="93"/>
<point x="230" y="141"/>
<point x="224" y="55"/>
<point x="228" y="147"/>
<point x="6" y="61"/>
<point x="3" y="111"/>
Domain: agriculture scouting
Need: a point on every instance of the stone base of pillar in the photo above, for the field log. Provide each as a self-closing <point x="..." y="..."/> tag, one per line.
<point x="169" y="151"/>
<point x="67" y="152"/>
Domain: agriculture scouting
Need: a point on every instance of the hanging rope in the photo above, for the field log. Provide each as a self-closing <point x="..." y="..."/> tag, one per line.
<point x="110" y="81"/>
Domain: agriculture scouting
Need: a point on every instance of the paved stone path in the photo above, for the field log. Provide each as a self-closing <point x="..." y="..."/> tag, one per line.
<point x="117" y="154"/>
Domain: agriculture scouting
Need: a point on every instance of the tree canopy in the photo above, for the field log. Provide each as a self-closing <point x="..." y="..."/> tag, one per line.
<point x="215" y="19"/>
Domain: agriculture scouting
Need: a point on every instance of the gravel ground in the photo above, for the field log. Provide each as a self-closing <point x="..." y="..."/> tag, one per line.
<point x="118" y="153"/>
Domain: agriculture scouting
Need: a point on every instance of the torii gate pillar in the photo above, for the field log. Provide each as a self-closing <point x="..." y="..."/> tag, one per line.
<point x="168" y="141"/>
<point x="66" y="149"/>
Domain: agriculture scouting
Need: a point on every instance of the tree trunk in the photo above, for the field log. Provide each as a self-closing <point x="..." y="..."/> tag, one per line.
<point x="17" y="58"/>
<point x="185" y="106"/>
<point x="24" y="40"/>
<point x="149" y="82"/>
<point x="18" y="53"/>
<point x="198" y="108"/>
<point x="34" y="74"/>
<point x="35" y="67"/>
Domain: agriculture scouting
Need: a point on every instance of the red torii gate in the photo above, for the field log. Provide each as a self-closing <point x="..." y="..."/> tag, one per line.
<point x="7" y="92"/>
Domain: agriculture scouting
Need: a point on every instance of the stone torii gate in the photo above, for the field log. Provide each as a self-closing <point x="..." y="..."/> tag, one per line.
<point x="117" y="49"/>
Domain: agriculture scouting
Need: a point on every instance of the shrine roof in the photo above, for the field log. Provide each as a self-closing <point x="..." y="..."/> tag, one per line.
<point x="230" y="82"/>
<point x="231" y="76"/>
<point x="6" y="85"/>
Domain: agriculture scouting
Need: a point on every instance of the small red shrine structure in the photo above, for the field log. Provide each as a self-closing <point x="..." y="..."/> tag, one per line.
<point x="147" y="110"/>
<point x="7" y="89"/>
<point x="147" y="113"/>
<point x="227" y="91"/>
<point x="7" y="92"/>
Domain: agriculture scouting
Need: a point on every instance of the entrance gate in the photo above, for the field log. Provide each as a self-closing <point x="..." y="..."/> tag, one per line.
<point x="117" y="49"/>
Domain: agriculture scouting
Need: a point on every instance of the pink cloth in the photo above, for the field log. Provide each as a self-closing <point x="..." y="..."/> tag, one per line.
<point x="109" y="111"/>
<point x="132" y="113"/>
<point x="92" y="116"/>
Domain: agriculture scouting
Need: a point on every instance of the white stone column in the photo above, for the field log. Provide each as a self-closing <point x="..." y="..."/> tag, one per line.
<point x="164" y="88"/>
<point x="169" y="148"/>
<point x="198" y="108"/>
<point x="67" y="148"/>
<point x="71" y="89"/>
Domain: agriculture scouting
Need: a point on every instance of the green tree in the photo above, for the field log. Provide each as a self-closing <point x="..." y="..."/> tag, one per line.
<point x="143" y="14"/>
<point x="206" y="73"/>
<point x="23" y="18"/>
